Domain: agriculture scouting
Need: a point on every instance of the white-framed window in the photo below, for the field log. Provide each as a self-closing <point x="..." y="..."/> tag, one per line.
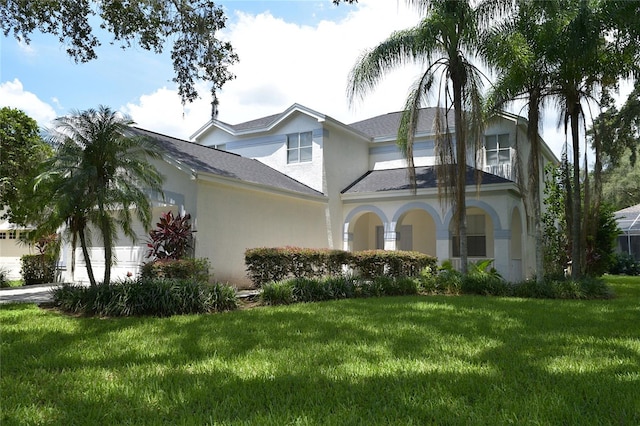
<point x="3" y="235"/>
<point x="476" y="237"/>
<point x="497" y="149"/>
<point x="299" y="147"/>
<point x="13" y="235"/>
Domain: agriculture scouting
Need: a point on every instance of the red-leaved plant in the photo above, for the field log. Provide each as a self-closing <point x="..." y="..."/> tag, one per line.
<point x="172" y="237"/>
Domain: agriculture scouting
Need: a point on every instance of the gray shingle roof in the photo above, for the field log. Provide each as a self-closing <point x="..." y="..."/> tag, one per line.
<point x="398" y="179"/>
<point x="205" y="159"/>
<point x="258" y="123"/>
<point x="387" y="125"/>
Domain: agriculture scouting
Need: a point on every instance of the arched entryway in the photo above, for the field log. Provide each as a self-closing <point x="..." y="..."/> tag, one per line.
<point x="416" y="231"/>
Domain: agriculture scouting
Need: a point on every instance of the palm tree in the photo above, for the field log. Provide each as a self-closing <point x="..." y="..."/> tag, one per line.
<point x="516" y="48"/>
<point x="578" y="70"/>
<point x="445" y="39"/>
<point x="102" y="172"/>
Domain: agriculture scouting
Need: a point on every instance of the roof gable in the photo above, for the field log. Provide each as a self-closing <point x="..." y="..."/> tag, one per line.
<point x="263" y="124"/>
<point x="204" y="159"/>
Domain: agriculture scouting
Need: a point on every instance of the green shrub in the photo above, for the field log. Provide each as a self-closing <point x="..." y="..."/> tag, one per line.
<point x="624" y="264"/>
<point x="311" y="290"/>
<point x="390" y="286"/>
<point x="277" y="293"/>
<point x="449" y="281"/>
<point x="183" y="269"/>
<point x="375" y="263"/>
<point x="153" y="297"/>
<point x="341" y="287"/>
<point x="596" y="288"/>
<point x="275" y="264"/>
<point x="483" y="279"/>
<point x="38" y="268"/>
<point x="266" y="264"/>
<point x="585" y="288"/>
<point x="4" y="281"/>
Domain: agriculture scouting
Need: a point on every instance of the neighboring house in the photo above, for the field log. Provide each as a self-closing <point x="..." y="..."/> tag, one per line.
<point x="301" y="178"/>
<point x="629" y="223"/>
<point x="11" y="248"/>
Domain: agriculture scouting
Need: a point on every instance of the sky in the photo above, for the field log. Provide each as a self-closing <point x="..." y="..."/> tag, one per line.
<point x="295" y="51"/>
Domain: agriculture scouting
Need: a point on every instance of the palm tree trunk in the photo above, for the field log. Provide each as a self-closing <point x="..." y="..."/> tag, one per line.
<point x="534" y="179"/>
<point x="87" y="258"/>
<point x="461" y="160"/>
<point x="576" y="238"/>
<point x="108" y="247"/>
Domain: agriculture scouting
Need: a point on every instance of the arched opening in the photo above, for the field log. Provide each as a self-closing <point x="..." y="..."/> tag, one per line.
<point x="416" y="231"/>
<point x="368" y="232"/>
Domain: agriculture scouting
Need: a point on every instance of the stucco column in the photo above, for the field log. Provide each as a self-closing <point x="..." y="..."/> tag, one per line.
<point x="443" y="242"/>
<point x="347" y="241"/>
<point x="390" y="236"/>
<point x="501" y="252"/>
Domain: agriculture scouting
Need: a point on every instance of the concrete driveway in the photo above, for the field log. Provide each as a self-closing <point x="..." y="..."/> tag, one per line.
<point x="27" y="294"/>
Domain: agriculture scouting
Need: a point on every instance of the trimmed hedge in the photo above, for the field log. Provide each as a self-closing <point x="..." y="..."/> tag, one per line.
<point x="183" y="269"/>
<point x="38" y="268"/>
<point x="276" y="264"/>
<point x="160" y="297"/>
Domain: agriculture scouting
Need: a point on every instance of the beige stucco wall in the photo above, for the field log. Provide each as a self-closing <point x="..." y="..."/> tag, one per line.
<point x="233" y="218"/>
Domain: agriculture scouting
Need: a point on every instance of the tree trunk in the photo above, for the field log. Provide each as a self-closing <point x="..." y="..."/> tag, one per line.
<point x="87" y="258"/>
<point x="108" y="247"/>
<point x="576" y="238"/>
<point x="461" y="160"/>
<point x="534" y="179"/>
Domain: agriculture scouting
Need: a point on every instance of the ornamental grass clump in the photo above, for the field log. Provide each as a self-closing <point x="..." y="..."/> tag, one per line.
<point x="144" y="297"/>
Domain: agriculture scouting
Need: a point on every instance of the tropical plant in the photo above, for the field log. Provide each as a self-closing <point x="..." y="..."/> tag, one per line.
<point x="171" y="239"/>
<point x="101" y="174"/>
<point x="446" y="39"/>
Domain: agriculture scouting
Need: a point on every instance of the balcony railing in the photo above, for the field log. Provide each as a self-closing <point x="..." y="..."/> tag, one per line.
<point x="502" y="170"/>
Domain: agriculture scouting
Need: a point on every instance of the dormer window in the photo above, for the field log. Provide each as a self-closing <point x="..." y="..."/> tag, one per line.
<point x="299" y="147"/>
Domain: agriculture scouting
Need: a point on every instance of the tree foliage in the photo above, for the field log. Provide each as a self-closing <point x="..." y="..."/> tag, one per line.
<point x="101" y="176"/>
<point x="22" y="150"/>
<point x="197" y="53"/>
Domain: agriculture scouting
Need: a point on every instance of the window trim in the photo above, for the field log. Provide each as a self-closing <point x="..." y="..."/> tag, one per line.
<point x="497" y="149"/>
<point x="299" y="148"/>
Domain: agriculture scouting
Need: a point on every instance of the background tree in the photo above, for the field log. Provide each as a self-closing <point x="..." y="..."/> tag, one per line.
<point x="191" y="24"/>
<point x="22" y="150"/>
<point x="445" y="40"/>
<point x="102" y="175"/>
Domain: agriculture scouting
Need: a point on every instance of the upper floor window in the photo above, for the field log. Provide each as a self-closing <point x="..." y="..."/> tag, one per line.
<point x="299" y="147"/>
<point x="498" y="149"/>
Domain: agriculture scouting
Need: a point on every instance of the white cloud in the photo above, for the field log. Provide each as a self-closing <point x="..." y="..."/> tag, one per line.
<point x="12" y="94"/>
<point x="282" y="63"/>
<point x="162" y="112"/>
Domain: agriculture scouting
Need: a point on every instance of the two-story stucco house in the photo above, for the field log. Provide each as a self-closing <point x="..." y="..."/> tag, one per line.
<point x="302" y="178"/>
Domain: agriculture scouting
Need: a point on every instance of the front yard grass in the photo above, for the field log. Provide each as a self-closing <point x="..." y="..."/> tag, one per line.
<point x="395" y="360"/>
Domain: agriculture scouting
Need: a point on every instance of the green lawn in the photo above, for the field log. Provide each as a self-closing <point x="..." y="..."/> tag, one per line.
<point x="403" y="360"/>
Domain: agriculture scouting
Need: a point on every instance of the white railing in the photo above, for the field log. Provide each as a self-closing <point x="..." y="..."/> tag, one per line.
<point x="502" y="170"/>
